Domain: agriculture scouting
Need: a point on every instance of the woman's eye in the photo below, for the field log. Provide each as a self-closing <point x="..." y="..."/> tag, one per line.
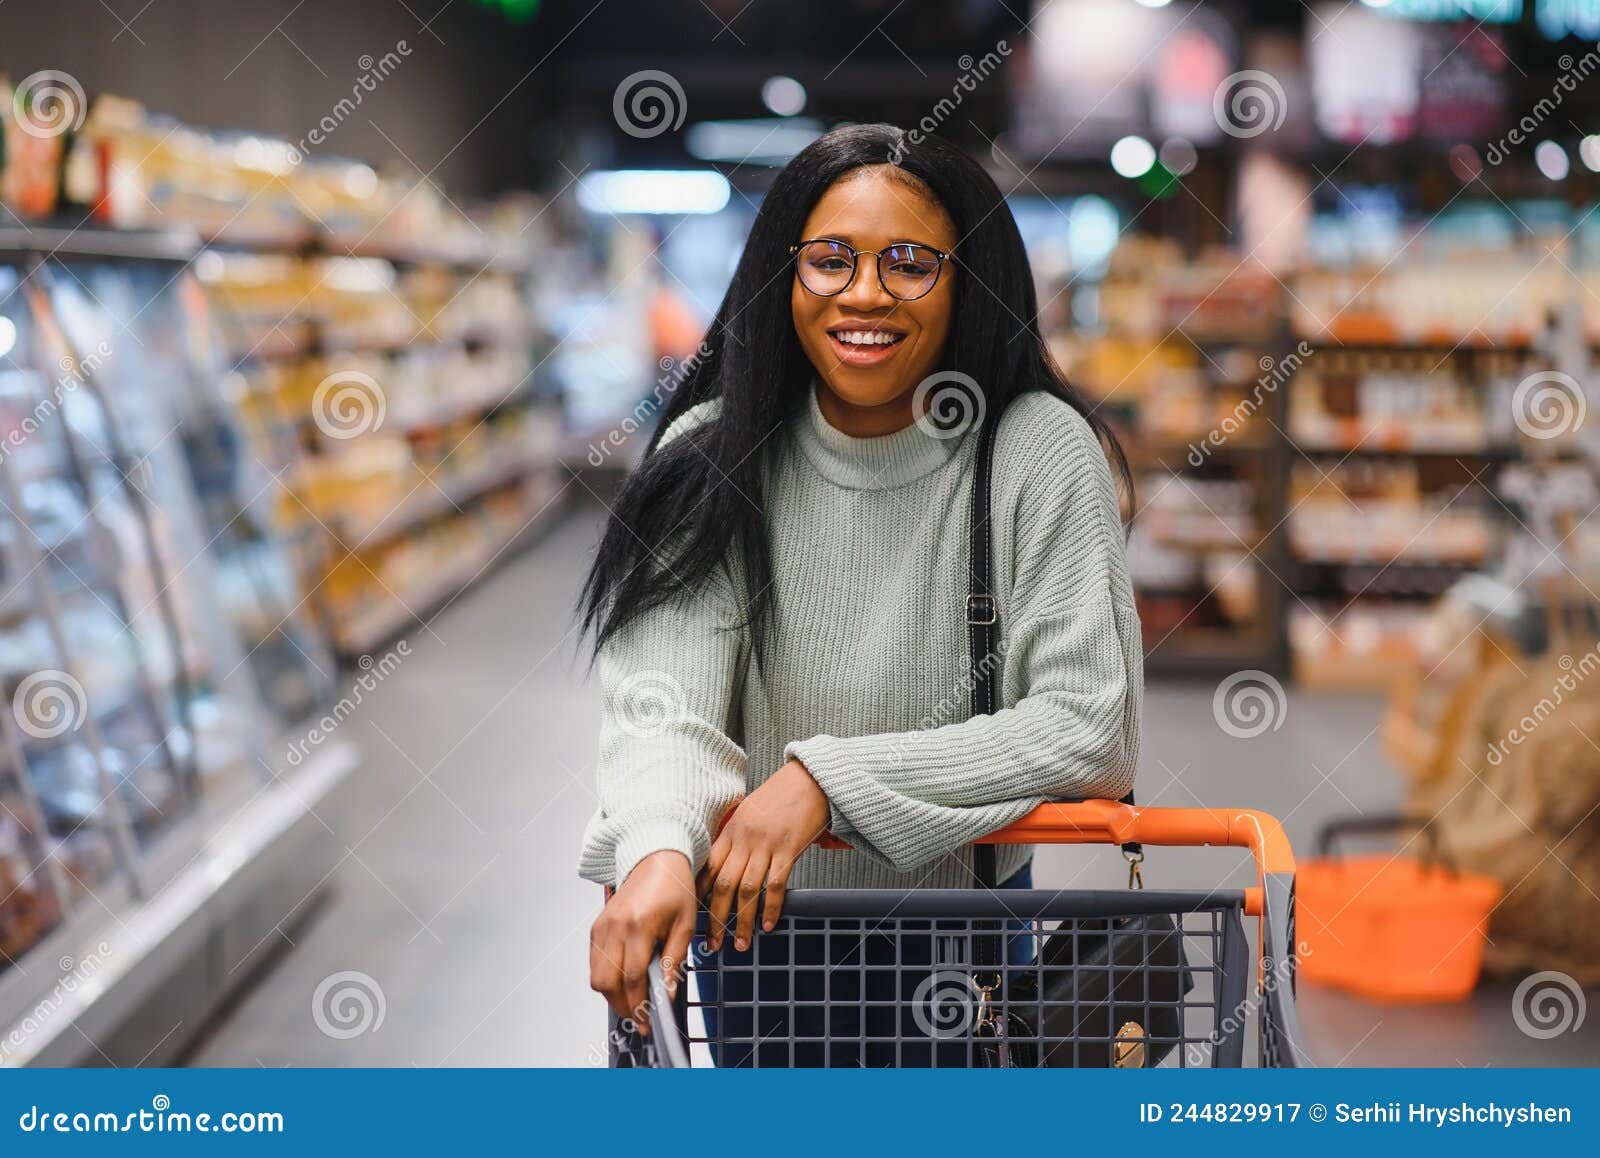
<point x="911" y="268"/>
<point x="830" y="264"/>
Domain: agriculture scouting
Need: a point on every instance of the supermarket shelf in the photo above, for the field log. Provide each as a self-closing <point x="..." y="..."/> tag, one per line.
<point x="180" y="245"/>
<point x="471" y="256"/>
<point x="335" y="343"/>
<point x="287" y="237"/>
<point x="1203" y="651"/>
<point x="1411" y="451"/>
<point x="1366" y="673"/>
<point x="171" y="959"/>
<point x="379" y="622"/>
<point x="98" y="243"/>
<point x="1435" y="344"/>
<point x="437" y="496"/>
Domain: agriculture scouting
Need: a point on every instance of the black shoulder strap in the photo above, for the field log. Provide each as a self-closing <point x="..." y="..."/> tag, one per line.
<point x="983" y="626"/>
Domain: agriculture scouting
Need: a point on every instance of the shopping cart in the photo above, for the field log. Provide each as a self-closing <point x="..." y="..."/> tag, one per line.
<point x="1091" y="978"/>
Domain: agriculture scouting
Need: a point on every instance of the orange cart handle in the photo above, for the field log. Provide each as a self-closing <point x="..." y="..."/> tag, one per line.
<point x="1111" y="822"/>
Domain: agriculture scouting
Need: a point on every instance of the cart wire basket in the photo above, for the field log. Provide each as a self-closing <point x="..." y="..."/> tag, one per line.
<point x="1090" y="978"/>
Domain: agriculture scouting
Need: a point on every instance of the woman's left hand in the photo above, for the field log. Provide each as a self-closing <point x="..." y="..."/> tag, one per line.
<point x="758" y="846"/>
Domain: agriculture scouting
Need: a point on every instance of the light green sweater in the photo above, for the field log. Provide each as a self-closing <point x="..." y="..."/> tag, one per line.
<point x="866" y="674"/>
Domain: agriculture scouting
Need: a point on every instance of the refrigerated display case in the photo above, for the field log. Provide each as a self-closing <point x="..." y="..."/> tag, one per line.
<point x="152" y="655"/>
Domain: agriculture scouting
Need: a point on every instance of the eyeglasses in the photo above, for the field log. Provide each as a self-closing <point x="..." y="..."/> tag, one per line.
<point x="906" y="271"/>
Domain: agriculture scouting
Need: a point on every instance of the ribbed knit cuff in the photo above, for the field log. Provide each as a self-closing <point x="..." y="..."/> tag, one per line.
<point x="643" y="837"/>
<point x="813" y="752"/>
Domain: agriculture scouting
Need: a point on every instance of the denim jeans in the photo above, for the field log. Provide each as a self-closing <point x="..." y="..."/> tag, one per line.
<point x="824" y="992"/>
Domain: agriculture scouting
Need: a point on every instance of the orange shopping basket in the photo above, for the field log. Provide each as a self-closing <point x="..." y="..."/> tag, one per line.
<point x="1391" y="927"/>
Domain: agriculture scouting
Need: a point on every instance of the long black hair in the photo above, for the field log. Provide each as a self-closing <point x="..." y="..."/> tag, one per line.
<point x="690" y="502"/>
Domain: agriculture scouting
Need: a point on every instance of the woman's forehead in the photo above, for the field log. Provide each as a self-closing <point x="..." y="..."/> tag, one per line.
<point x="870" y="206"/>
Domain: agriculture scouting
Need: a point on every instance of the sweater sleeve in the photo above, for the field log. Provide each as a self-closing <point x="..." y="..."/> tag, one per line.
<point x="1072" y="680"/>
<point x="667" y="767"/>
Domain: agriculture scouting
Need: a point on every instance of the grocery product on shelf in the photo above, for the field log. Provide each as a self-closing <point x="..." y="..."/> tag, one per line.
<point x="1189" y="364"/>
<point x="335" y="294"/>
<point x="391" y="397"/>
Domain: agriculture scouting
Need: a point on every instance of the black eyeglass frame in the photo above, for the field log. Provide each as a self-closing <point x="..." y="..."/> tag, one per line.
<point x="877" y="254"/>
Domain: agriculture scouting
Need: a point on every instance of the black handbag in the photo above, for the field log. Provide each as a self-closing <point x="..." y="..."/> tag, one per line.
<point x="1108" y="1023"/>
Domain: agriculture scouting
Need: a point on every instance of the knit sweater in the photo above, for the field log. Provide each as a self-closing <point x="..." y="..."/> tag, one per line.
<point x="866" y="672"/>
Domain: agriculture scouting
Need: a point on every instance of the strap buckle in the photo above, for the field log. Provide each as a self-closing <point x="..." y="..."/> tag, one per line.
<point x="1135" y="874"/>
<point x="982" y="611"/>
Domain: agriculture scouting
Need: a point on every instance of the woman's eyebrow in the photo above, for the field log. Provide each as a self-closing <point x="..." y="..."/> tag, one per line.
<point x="849" y="239"/>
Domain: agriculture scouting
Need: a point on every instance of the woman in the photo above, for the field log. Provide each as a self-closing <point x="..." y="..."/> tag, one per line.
<point x="780" y="596"/>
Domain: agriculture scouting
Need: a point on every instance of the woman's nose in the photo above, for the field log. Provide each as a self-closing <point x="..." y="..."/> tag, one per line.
<point x="865" y="291"/>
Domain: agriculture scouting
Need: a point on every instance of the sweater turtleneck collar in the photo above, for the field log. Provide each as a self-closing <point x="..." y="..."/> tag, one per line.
<point x="890" y="460"/>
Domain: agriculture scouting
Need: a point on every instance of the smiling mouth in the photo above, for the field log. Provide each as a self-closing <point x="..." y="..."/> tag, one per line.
<point x="866" y="338"/>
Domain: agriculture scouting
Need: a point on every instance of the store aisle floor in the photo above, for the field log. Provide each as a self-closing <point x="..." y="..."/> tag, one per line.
<point x="458" y="899"/>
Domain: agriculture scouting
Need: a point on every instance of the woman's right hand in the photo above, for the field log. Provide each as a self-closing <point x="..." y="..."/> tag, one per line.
<point x="656" y="905"/>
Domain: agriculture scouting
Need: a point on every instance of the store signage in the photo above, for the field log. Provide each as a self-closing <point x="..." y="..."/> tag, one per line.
<point x="1561" y="18"/>
<point x="516" y="11"/>
<point x="1486" y="11"/>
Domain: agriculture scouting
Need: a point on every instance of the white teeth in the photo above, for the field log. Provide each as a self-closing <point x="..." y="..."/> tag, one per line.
<point x="867" y="337"/>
